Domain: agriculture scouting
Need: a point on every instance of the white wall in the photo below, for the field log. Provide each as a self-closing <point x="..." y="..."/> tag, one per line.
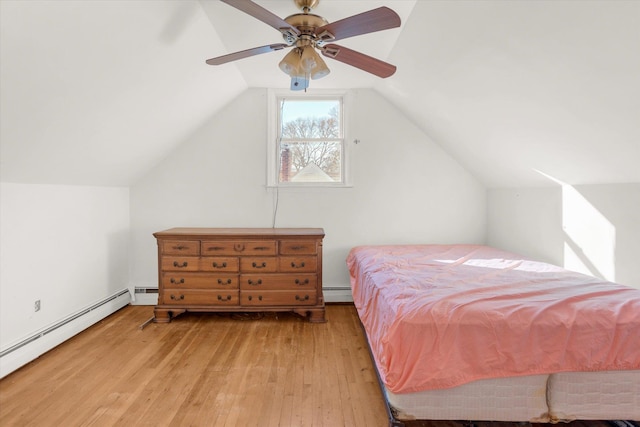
<point x="64" y="245"/>
<point x="406" y="189"/>
<point x="594" y="229"/>
<point x="527" y="221"/>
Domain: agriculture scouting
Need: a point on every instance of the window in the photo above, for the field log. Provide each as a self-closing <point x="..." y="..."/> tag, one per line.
<point x="309" y="147"/>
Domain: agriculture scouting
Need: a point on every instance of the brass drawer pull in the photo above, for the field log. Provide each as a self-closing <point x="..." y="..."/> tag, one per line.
<point x="184" y="264"/>
<point x="256" y="283"/>
<point x="175" y="298"/>
<point x="305" y="282"/>
<point x="177" y="282"/>
<point x="294" y="265"/>
<point x="220" y="298"/>
<point x="238" y="247"/>
<point x="305" y="298"/>
<point x="180" y="247"/>
<point x="221" y="282"/>
<point x="254" y="265"/>
<point x="251" y="297"/>
<point x="223" y="265"/>
<point x="297" y="248"/>
<point x="261" y="248"/>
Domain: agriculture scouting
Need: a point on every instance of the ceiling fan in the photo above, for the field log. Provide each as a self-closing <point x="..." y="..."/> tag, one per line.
<point x="306" y="33"/>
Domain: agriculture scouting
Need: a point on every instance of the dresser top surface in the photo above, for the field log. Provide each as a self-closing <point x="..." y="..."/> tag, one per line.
<point x="204" y="233"/>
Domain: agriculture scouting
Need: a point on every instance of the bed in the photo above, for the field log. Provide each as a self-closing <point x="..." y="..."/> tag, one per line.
<point x="469" y="332"/>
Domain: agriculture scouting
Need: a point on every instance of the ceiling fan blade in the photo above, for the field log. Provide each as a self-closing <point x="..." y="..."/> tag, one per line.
<point x="374" y="20"/>
<point x="259" y="12"/>
<point x="359" y="60"/>
<point x="246" y="53"/>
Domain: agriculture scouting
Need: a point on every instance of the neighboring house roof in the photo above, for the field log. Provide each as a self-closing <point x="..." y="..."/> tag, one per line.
<point x="311" y="173"/>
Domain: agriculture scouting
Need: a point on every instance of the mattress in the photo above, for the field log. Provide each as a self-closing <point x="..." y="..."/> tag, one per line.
<point x="595" y="395"/>
<point x="576" y="338"/>
<point x="565" y="396"/>
<point x="439" y="316"/>
<point x="501" y="399"/>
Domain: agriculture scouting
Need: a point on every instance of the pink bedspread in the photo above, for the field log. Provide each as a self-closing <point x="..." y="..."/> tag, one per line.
<point x="439" y="316"/>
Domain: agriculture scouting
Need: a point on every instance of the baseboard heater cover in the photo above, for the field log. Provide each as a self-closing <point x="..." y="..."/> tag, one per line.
<point x="145" y="296"/>
<point x="42" y="341"/>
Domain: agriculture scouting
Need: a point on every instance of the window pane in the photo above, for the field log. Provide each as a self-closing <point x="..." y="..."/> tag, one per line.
<point x="311" y="162"/>
<point x="311" y="119"/>
<point x="310" y="141"/>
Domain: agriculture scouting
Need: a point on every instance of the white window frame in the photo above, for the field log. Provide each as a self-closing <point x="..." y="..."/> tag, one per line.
<point x="273" y="142"/>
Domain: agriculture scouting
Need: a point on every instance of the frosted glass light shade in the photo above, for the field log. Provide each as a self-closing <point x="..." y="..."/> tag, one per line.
<point x="308" y="60"/>
<point x="320" y="70"/>
<point x="290" y="64"/>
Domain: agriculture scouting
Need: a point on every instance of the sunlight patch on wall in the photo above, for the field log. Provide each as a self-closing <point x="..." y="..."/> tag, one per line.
<point x="589" y="237"/>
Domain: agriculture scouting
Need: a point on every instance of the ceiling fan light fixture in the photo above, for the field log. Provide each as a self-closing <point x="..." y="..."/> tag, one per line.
<point x="290" y="64"/>
<point x="320" y="70"/>
<point x="308" y="59"/>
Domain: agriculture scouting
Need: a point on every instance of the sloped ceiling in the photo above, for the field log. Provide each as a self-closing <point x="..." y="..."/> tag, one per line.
<point x="96" y="92"/>
<point x="516" y="90"/>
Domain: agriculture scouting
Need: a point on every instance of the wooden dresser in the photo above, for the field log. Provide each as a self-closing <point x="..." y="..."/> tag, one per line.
<point x="240" y="270"/>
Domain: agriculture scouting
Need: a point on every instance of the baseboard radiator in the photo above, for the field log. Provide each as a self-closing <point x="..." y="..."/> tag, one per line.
<point x="145" y="296"/>
<point x="42" y="341"/>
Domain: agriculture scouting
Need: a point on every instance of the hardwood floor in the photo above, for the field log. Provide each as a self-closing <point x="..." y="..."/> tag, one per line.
<point x="204" y="370"/>
<point x="201" y="370"/>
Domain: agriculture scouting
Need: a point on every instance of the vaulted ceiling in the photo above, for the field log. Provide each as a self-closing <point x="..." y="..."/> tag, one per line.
<point x="97" y="92"/>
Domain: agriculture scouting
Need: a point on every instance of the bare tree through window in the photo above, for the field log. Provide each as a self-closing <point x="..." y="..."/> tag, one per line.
<point x="311" y="145"/>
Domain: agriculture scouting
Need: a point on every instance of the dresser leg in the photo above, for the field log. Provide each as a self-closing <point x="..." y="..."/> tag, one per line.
<point x="161" y="315"/>
<point x="316" y="315"/>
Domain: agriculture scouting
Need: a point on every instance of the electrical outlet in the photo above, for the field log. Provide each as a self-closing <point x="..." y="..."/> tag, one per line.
<point x="36" y="305"/>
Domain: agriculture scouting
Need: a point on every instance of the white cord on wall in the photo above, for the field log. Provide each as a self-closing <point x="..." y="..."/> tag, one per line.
<point x="277" y="194"/>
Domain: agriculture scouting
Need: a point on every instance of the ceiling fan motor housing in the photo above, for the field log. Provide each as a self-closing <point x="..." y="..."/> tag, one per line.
<point x="306" y="23"/>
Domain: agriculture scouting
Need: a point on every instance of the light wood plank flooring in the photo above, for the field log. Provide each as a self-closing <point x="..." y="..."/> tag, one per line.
<point x="204" y="370"/>
<point x="201" y="370"/>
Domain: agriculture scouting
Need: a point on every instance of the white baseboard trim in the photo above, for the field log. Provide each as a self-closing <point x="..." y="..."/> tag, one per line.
<point x="337" y="294"/>
<point x="149" y="296"/>
<point x="39" y="343"/>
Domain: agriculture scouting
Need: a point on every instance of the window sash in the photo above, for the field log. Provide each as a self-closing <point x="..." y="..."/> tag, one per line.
<point x="277" y="141"/>
<point x="310" y="140"/>
<point x="281" y="101"/>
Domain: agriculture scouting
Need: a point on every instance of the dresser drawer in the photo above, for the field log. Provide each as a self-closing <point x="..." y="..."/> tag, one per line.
<point x="297" y="247"/>
<point x="181" y="247"/>
<point x="171" y="263"/>
<point x="278" y="298"/>
<point x="182" y="280"/>
<point x="297" y="264"/>
<point x="219" y="264"/>
<point x="238" y="248"/>
<point x="278" y="281"/>
<point x="200" y="297"/>
<point x="258" y="264"/>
